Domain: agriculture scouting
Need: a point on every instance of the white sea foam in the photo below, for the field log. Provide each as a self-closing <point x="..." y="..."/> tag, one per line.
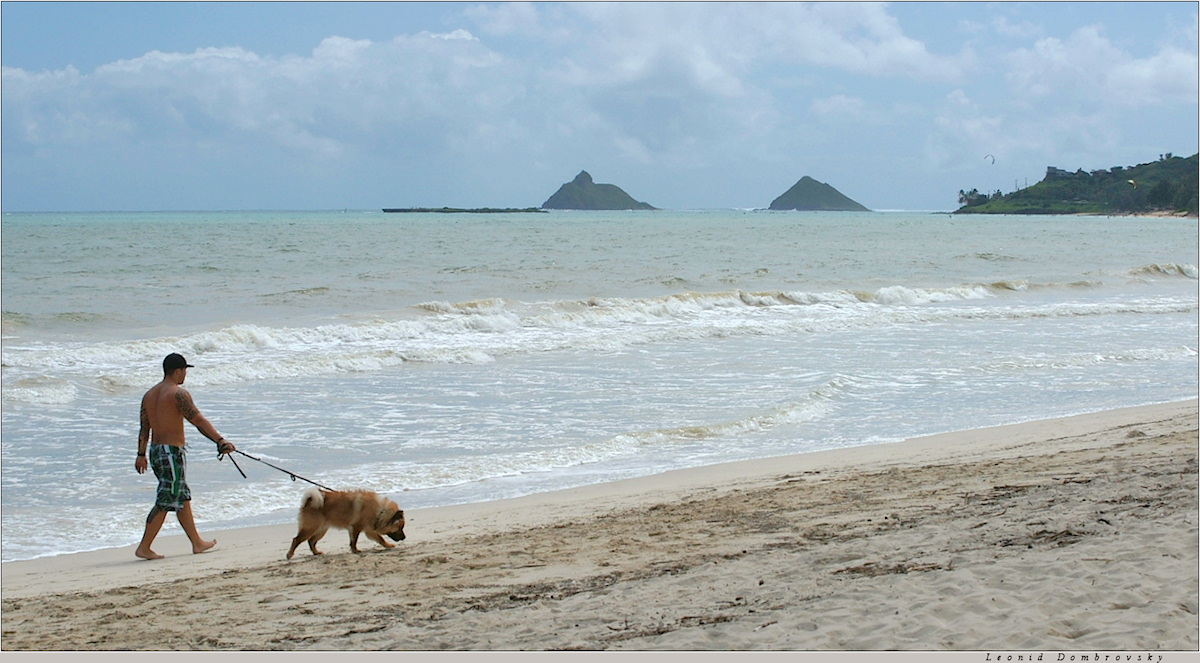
<point x="917" y="296"/>
<point x="43" y="390"/>
<point x="1088" y="359"/>
<point x="480" y="332"/>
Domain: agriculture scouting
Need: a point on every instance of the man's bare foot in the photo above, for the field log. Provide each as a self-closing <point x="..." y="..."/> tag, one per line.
<point x="203" y="546"/>
<point x="147" y="554"/>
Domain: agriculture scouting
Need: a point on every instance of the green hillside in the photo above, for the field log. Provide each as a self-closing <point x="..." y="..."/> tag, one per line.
<point x="583" y="193"/>
<point x="1167" y="185"/>
<point x="809" y="194"/>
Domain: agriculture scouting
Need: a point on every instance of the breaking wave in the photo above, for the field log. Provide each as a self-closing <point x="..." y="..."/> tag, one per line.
<point x="485" y="330"/>
<point x="1167" y="269"/>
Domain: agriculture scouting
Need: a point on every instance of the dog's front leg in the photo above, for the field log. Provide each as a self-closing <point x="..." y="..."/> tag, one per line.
<point x="374" y="536"/>
<point x="354" y="532"/>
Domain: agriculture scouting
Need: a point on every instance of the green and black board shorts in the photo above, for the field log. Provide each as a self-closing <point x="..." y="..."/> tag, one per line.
<point x="169" y="463"/>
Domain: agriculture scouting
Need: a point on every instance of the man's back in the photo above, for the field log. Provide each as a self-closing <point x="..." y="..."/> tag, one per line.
<point x="161" y="405"/>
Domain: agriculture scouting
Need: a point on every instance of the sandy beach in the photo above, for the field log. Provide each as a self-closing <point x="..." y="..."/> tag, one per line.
<point x="1074" y="534"/>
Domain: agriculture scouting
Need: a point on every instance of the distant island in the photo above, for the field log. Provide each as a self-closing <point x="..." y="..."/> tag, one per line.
<point x="460" y="210"/>
<point x="1166" y="186"/>
<point x="811" y="195"/>
<point x="582" y="193"/>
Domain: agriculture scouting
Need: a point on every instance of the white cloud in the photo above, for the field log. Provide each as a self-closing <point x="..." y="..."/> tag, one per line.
<point x="1069" y="103"/>
<point x="1166" y="77"/>
<point x="1088" y="68"/>
<point x="506" y="18"/>
<point x="1022" y="30"/>
<point x="456" y="34"/>
<point x="859" y="38"/>
<point x="688" y="83"/>
<point x="721" y="41"/>
<point x="962" y="135"/>
<point x="850" y="110"/>
<point x="652" y="88"/>
<point x="327" y="105"/>
<point x="34" y="116"/>
<point x="659" y="75"/>
<point x="960" y="99"/>
<point x="333" y="49"/>
<point x="838" y="105"/>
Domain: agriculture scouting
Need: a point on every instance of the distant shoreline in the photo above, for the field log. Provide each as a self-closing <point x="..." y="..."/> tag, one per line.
<point x="1154" y="214"/>
<point x="459" y="210"/>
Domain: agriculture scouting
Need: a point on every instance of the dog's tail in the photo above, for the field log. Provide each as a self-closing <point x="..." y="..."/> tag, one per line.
<point x="313" y="499"/>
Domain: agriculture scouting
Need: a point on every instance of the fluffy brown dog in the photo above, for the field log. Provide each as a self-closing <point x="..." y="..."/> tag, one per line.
<point x="360" y="511"/>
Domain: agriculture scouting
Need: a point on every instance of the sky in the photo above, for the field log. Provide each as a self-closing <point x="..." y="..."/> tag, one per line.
<point x="149" y="106"/>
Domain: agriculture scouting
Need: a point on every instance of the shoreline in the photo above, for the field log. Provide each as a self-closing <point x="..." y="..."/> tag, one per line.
<point x="176" y="542"/>
<point x="973" y="514"/>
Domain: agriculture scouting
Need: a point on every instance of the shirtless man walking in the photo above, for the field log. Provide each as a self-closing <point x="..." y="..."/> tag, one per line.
<point x="164" y="408"/>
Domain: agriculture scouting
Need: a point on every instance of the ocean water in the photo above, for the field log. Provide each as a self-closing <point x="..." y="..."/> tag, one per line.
<point x="459" y="358"/>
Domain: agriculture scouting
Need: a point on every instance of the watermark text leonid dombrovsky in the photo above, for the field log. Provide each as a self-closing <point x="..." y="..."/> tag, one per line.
<point x="1060" y="657"/>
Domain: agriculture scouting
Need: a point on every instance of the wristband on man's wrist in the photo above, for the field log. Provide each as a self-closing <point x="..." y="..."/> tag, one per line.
<point x="141" y="455"/>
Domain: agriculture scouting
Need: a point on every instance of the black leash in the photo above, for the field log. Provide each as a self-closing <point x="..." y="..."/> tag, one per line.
<point x="291" y="474"/>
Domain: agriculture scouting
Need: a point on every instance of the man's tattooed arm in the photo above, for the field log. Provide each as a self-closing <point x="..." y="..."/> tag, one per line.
<point x="143" y="431"/>
<point x="183" y="401"/>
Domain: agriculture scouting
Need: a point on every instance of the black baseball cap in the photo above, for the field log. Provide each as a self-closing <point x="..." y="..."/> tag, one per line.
<point x="174" y="361"/>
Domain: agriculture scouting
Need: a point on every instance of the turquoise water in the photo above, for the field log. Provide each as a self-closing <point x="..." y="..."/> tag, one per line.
<point x="459" y="358"/>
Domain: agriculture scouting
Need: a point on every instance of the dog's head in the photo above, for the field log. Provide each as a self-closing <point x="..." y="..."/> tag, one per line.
<point x="395" y="527"/>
